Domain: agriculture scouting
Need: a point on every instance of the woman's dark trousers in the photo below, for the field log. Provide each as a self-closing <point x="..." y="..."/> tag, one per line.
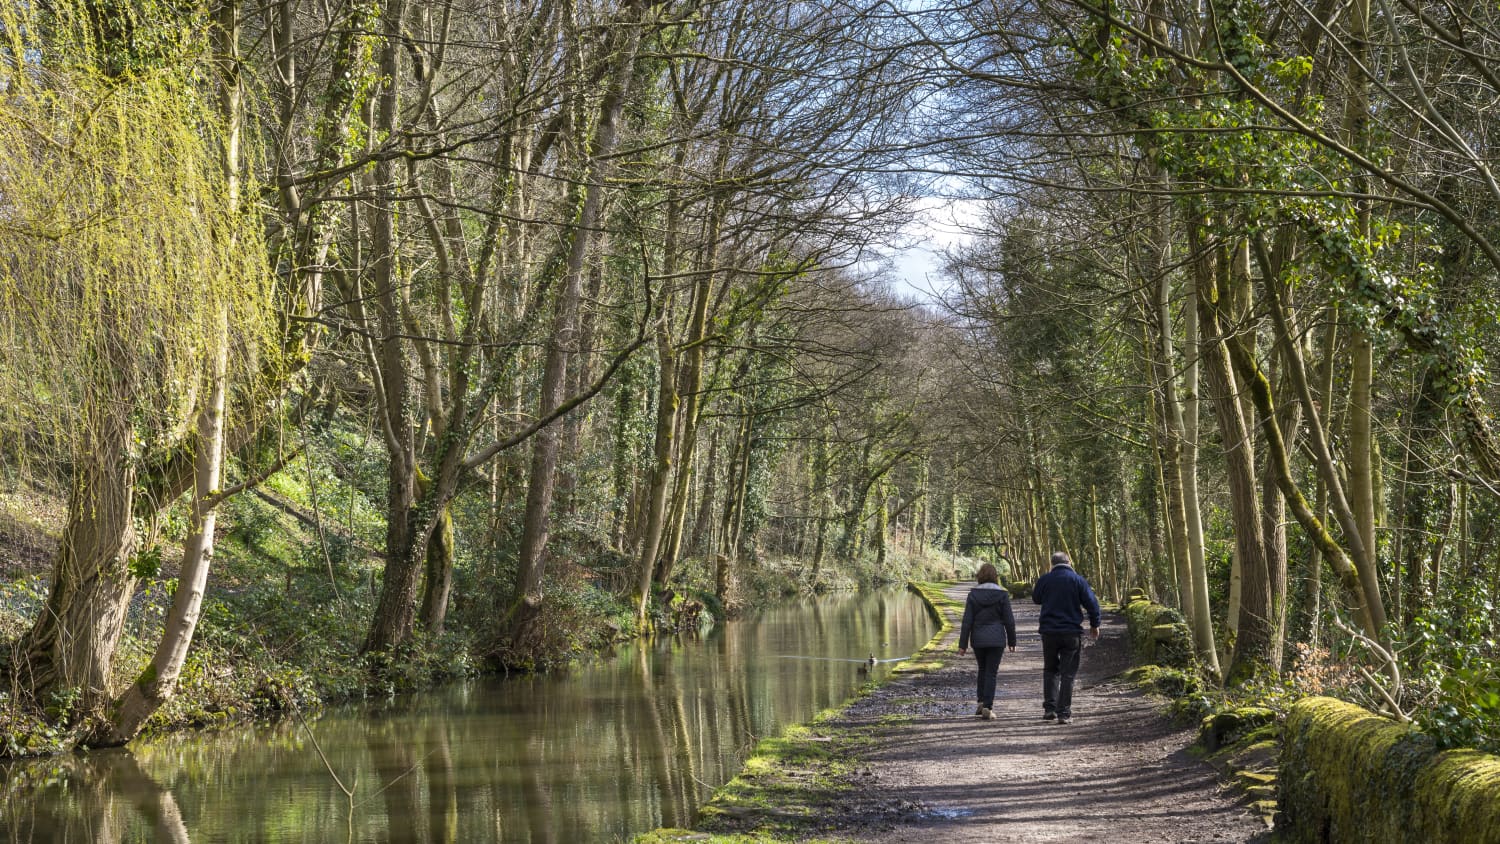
<point x="1059" y="667"/>
<point x="989" y="665"/>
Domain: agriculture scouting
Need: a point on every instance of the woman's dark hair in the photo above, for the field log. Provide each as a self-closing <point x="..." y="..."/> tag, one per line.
<point x="987" y="574"/>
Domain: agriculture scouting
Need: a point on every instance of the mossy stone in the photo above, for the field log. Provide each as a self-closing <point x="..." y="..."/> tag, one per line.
<point x="1170" y="682"/>
<point x="1350" y="775"/>
<point x="1158" y="634"/>
<point x="1230" y="725"/>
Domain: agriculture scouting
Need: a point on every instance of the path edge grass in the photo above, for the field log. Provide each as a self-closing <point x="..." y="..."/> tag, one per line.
<point x="788" y="780"/>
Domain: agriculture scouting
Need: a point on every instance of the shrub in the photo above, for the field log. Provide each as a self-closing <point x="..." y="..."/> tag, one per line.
<point x="1456" y="677"/>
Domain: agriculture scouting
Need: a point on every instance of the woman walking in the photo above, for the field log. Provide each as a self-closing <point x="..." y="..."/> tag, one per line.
<point x="990" y="626"/>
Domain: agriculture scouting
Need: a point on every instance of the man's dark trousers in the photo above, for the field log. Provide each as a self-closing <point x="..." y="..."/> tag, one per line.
<point x="1059" y="666"/>
<point x="989" y="664"/>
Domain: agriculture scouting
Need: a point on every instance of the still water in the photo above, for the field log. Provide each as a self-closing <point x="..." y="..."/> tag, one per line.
<point x="611" y="748"/>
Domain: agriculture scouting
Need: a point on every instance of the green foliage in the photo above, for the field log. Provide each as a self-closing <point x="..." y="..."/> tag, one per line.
<point x="577" y="619"/>
<point x="944" y="610"/>
<point x="62" y="704"/>
<point x="1456" y="676"/>
<point x="1232" y="725"/>
<point x="787" y="783"/>
<point x="139" y="36"/>
<point x="25" y="732"/>
<point x="127" y="254"/>
<point x="146" y="562"/>
<point x="418" y="663"/>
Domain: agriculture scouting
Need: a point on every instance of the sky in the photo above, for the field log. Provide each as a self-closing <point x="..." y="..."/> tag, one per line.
<point x="916" y="265"/>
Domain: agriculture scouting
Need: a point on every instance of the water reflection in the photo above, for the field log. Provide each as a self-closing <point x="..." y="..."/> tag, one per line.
<point x="98" y="799"/>
<point x="610" y="748"/>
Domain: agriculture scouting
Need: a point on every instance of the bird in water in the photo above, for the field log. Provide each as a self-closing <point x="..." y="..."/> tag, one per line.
<point x="868" y="665"/>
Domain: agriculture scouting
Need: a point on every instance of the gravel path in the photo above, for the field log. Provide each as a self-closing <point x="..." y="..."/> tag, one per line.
<point x="1118" y="773"/>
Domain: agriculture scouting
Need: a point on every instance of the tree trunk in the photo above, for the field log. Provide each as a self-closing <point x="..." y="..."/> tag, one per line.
<point x="854" y="517"/>
<point x="692" y="390"/>
<point x="1289" y="421"/>
<point x="394" y="615"/>
<point x="1112" y="548"/>
<point x="739" y="542"/>
<point x="1252" y="646"/>
<point x="1453" y="505"/>
<point x="438" y="580"/>
<point x="1259" y="391"/>
<point x="1273" y="520"/>
<point x="525" y="611"/>
<point x="1037" y="517"/>
<point x="1155" y="539"/>
<point x="1312" y="596"/>
<point x="1357" y="557"/>
<point x="621" y="460"/>
<point x="158" y="682"/>
<point x="1202" y="615"/>
<point x="920" y="518"/>
<point x="821" y="494"/>
<point x="1172" y="462"/>
<point x="661" y="471"/>
<point x="703" y="522"/>
<point x="1362" y="469"/>
<point x="72" y="644"/>
<point x="1361" y="449"/>
<point x="734" y="486"/>
<point x="573" y="425"/>
<point x="1095" y="545"/>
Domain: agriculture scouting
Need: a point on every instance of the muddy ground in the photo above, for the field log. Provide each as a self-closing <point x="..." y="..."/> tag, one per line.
<point x="1120" y="772"/>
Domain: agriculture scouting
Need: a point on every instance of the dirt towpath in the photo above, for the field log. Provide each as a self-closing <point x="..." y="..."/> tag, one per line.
<point x="1119" y="773"/>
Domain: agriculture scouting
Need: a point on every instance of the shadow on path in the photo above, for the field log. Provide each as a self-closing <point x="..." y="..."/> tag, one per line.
<point x="1120" y="772"/>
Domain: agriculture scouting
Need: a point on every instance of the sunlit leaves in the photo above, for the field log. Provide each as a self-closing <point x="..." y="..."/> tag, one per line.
<point x="122" y="248"/>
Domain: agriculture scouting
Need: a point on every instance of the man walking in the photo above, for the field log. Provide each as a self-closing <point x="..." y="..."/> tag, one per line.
<point x="1064" y="596"/>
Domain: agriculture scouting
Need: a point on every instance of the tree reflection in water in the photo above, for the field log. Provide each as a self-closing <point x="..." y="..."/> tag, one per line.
<point x="613" y="746"/>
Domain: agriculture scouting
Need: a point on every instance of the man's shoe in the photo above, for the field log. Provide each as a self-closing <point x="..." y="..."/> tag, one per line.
<point x="1064" y="719"/>
<point x="986" y="714"/>
<point x="979" y="710"/>
<point x="1049" y="716"/>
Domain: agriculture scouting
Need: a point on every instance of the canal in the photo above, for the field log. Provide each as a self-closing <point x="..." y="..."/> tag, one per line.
<point x="618" y="745"/>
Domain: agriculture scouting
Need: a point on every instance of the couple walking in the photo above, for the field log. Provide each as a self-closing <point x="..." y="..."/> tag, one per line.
<point x="990" y="626"/>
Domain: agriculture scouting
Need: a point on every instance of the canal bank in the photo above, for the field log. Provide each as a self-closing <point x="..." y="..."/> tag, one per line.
<point x="907" y="761"/>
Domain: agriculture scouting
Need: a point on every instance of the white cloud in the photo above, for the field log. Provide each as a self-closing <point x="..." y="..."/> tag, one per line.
<point x="916" y="262"/>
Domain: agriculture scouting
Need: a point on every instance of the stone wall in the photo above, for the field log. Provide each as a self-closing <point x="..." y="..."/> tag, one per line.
<point x="1349" y="775"/>
<point x="1158" y="635"/>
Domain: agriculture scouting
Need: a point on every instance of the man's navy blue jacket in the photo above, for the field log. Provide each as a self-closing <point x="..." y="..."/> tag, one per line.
<point x="1064" y="595"/>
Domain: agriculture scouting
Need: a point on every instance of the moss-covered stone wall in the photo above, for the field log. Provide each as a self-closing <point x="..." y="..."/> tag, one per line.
<point x="1348" y="775"/>
<point x="1158" y="635"/>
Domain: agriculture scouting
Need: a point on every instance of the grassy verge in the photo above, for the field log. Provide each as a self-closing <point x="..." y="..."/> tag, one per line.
<point x="794" y="783"/>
